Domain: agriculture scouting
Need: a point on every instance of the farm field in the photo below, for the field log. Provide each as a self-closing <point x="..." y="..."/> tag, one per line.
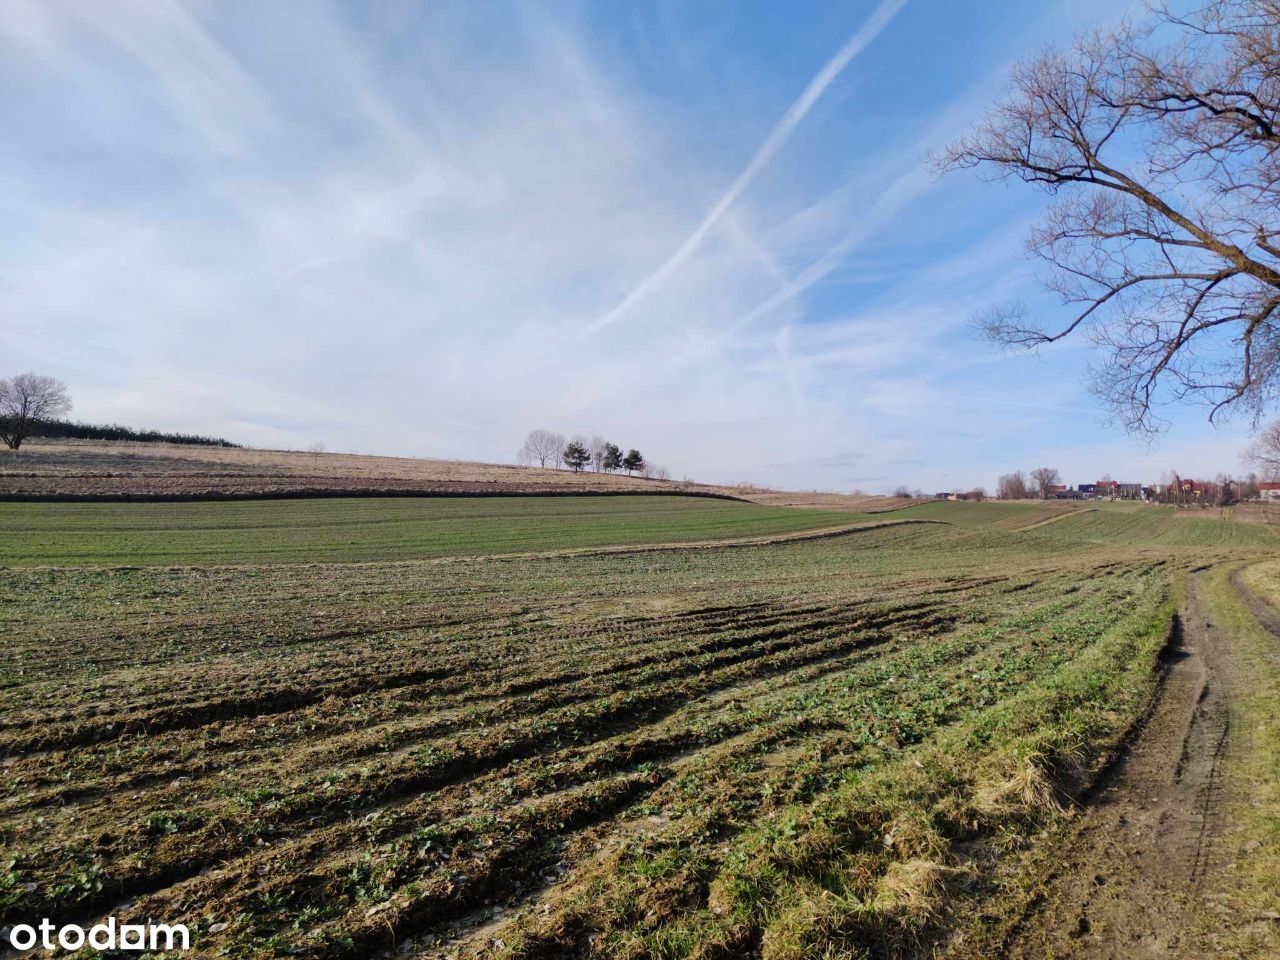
<point x="366" y="530"/>
<point x="857" y="746"/>
<point x="95" y="470"/>
<point x="327" y="530"/>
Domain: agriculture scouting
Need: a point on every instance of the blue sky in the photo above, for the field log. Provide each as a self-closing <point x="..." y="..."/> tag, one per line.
<point x="707" y="230"/>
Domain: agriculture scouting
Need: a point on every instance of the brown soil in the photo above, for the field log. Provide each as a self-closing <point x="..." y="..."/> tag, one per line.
<point x="1142" y="868"/>
<point x="93" y="469"/>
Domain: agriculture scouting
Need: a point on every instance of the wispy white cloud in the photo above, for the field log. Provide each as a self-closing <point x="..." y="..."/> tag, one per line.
<point x="382" y="230"/>
<point x="778" y="136"/>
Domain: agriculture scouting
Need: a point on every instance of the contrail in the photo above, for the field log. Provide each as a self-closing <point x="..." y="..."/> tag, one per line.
<point x="778" y="136"/>
<point x="900" y="192"/>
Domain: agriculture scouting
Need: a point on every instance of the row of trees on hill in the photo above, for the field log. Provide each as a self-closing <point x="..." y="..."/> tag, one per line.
<point x="67" y="430"/>
<point x="31" y="405"/>
<point x="546" y="448"/>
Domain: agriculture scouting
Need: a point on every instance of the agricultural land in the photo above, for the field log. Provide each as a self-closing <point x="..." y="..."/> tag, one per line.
<point x="95" y="470"/>
<point x="635" y="726"/>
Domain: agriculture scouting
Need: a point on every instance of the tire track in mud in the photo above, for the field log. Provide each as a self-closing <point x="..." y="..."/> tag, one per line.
<point x="1131" y="882"/>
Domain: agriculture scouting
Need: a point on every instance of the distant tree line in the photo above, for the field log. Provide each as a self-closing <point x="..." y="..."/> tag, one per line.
<point x="1172" y="489"/>
<point x="67" y="430"/>
<point x="1016" y="485"/>
<point x="546" y="448"/>
<point x="31" y="405"/>
<point x="903" y="491"/>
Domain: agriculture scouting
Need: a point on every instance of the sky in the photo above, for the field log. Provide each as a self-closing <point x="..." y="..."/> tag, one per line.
<point x="706" y="230"/>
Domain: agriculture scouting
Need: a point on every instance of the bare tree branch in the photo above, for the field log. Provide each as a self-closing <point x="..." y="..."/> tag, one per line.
<point x="1161" y="145"/>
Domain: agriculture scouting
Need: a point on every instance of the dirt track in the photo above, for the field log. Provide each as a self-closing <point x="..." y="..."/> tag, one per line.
<point x="1145" y="864"/>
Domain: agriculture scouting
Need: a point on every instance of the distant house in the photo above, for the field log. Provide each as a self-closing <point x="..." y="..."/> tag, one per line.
<point x="1056" y="488"/>
<point x="945" y="495"/>
<point x="1269" y="490"/>
<point x="1068" y="495"/>
<point x="1087" y="488"/>
<point x="1118" y="491"/>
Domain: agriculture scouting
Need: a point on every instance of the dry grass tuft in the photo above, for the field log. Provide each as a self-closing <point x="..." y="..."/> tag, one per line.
<point x="1027" y="790"/>
<point x="911" y="887"/>
<point x="911" y="835"/>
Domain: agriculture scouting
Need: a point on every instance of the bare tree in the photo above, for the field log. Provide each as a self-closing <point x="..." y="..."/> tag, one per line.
<point x="596" y="446"/>
<point x="901" y="490"/>
<point x="1013" y="486"/>
<point x="1045" y="479"/>
<point x="542" y="447"/>
<point x="27" y="399"/>
<point x="653" y="471"/>
<point x="1165" y="162"/>
<point x="1264" y="452"/>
